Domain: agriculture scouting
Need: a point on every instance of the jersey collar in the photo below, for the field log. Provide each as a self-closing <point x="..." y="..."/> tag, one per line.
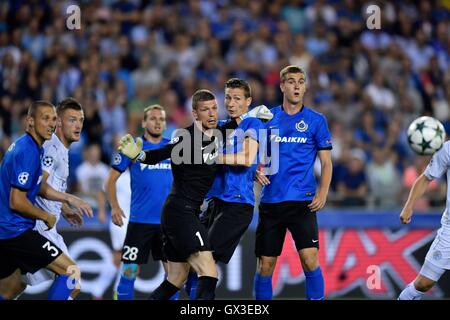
<point x="300" y="111"/>
<point x="34" y="140"/>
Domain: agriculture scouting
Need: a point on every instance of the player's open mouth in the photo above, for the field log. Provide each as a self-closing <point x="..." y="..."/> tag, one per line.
<point x="213" y="121"/>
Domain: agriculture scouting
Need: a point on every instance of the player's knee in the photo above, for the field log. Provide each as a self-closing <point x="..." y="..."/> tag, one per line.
<point x="423" y="284"/>
<point x="267" y="266"/>
<point x="130" y="270"/>
<point x="309" y="259"/>
<point x="310" y="264"/>
<point x="13" y="290"/>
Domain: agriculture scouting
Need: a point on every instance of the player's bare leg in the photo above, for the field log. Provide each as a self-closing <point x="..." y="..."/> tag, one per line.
<point x="205" y="266"/>
<point x="423" y="284"/>
<point x="12" y="286"/>
<point x="68" y="277"/>
<point x="266" y="265"/>
<point x="177" y="273"/>
<point x="262" y="282"/>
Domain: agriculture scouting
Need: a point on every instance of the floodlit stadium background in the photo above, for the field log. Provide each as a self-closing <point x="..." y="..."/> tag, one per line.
<point x="369" y="83"/>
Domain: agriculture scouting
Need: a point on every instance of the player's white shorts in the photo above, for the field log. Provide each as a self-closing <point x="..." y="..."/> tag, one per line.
<point x="43" y="275"/>
<point x="439" y="252"/>
<point x="118" y="233"/>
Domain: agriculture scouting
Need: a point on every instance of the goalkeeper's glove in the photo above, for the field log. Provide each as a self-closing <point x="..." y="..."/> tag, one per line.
<point x="132" y="149"/>
<point x="261" y="112"/>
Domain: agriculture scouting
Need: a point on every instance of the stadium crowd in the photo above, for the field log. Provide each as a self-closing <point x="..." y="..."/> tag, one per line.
<point x="128" y="54"/>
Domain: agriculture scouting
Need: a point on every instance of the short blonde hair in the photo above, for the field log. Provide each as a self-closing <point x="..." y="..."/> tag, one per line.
<point x="152" y="107"/>
<point x="290" y="69"/>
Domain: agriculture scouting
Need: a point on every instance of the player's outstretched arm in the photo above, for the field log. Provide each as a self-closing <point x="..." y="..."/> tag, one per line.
<point x="18" y="201"/>
<point x="320" y="198"/>
<point x="133" y="150"/>
<point x="417" y="190"/>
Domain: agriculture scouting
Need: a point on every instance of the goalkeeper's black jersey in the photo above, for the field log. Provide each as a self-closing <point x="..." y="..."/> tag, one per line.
<point x="193" y="158"/>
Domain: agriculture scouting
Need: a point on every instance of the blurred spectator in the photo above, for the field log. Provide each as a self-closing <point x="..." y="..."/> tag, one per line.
<point x="352" y="182"/>
<point x="383" y="179"/>
<point x="133" y="53"/>
<point x="91" y="176"/>
<point x="113" y="118"/>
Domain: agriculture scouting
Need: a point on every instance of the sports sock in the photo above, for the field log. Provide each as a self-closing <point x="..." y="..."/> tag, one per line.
<point x="206" y="288"/>
<point x="262" y="286"/>
<point x="314" y="285"/>
<point x="411" y="293"/>
<point x="60" y="288"/>
<point x="164" y="292"/>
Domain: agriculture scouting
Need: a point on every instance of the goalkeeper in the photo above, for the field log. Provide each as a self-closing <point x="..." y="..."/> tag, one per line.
<point x="194" y="158"/>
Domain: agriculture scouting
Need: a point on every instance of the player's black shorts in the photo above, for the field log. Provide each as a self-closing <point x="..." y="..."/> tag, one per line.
<point x="227" y="222"/>
<point x="142" y="238"/>
<point x="30" y="251"/>
<point x="183" y="233"/>
<point x="276" y="218"/>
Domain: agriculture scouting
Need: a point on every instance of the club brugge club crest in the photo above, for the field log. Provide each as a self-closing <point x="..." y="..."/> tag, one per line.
<point x="301" y="126"/>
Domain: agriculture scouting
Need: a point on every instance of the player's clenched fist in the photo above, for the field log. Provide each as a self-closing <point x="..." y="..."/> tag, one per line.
<point x="129" y="147"/>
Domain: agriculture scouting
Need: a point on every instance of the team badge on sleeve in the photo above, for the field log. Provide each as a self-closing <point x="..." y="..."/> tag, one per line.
<point x="47" y="161"/>
<point x="117" y="159"/>
<point x="174" y="140"/>
<point x="23" y="178"/>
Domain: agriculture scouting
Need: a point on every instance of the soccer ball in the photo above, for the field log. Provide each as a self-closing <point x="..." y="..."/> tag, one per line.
<point x="426" y="135"/>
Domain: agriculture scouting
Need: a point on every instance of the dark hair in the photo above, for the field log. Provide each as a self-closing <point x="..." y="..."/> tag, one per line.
<point x="68" y="103"/>
<point x="290" y="69"/>
<point x="234" y="83"/>
<point x="36" y="105"/>
<point x="202" y="95"/>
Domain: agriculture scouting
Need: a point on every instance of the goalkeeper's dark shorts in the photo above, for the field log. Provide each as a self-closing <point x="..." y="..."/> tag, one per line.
<point x="183" y="233"/>
<point x="276" y="218"/>
<point x="227" y="223"/>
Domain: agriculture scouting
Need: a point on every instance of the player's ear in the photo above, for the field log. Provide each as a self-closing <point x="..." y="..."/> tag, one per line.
<point x="194" y="114"/>
<point x="248" y="101"/>
<point x="282" y="86"/>
<point x="30" y="121"/>
<point x="59" y="122"/>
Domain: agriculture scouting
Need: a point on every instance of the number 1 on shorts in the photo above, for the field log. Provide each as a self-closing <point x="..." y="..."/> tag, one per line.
<point x="199" y="238"/>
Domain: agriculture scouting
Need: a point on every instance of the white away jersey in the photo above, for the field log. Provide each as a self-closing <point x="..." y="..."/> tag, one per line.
<point x="56" y="163"/>
<point x="440" y="164"/>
